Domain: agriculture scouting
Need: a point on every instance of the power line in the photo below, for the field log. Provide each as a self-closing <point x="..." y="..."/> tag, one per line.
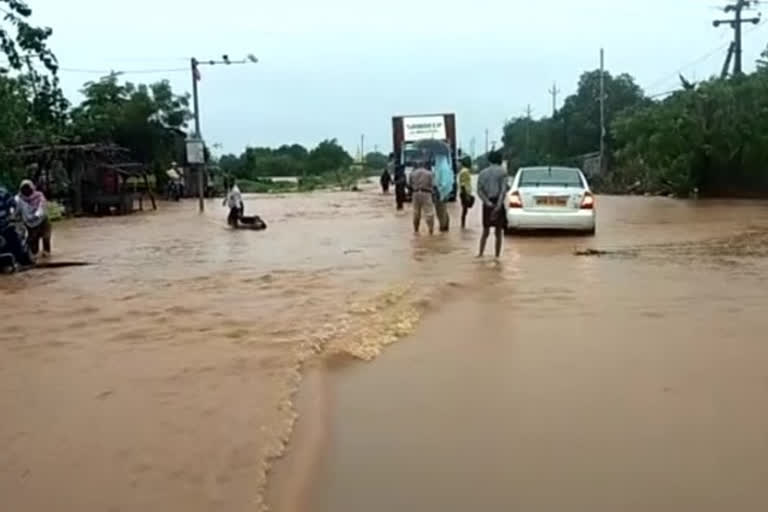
<point x="145" y="71"/>
<point x="701" y="59"/>
<point x="736" y="23"/>
<point x="662" y="94"/>
<point x="123" y="71"/>
<point x="675" y="73"/>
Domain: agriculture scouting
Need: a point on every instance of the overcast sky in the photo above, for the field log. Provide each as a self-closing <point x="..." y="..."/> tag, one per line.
<point x="342" y="68"/>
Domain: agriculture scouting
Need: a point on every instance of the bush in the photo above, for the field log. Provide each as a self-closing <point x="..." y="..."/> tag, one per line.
<point x="55" y="211"/>
<point x="265" y="186"/>
<point x="310" y="183"/>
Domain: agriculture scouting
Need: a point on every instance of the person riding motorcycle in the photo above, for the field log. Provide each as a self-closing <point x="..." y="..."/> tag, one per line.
<point x="13" y="247"/>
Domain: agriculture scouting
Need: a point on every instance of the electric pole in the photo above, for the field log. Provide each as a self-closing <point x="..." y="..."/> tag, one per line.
<point x="486" y="142"/>
<point x="602" y="108"/>
<point x="528" y="112"/>
<point x="554" y="91"/>
<point x="728" y="59"/>
<point x="736" y="22"/>
<point x="194" y="65"/>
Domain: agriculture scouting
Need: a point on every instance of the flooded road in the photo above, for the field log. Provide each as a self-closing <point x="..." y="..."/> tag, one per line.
<point x="629" y="382"/>
<point x="162" y="378"/>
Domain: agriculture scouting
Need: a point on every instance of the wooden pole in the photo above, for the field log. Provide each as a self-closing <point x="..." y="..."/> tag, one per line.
<point x="149" y="191"/>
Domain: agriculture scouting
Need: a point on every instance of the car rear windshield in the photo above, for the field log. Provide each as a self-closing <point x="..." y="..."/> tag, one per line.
<point x="550" y="177"/>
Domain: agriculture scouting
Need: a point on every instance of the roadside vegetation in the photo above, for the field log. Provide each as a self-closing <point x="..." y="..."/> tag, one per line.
<point x="327" y="165"/>
<point x="709" y="138"/>
<point x="150" y="120"/>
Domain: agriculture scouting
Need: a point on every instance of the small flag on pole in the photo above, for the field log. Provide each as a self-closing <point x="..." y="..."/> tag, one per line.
<point x="196" y="72"/>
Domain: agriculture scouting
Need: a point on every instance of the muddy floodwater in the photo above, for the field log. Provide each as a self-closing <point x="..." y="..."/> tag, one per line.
<point x="165" y="376"/>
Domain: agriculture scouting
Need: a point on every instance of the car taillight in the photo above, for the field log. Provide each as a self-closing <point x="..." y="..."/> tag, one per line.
<point x="588" y="203"/>
<point x="514" y="200"/>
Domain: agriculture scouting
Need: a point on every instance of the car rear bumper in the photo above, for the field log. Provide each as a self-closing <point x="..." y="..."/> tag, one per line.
<point x="577" y="220"/>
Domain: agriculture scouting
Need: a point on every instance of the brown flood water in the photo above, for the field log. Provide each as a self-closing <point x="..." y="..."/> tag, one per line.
<point x="162" y="378"/>
<point x="631" y="382"/>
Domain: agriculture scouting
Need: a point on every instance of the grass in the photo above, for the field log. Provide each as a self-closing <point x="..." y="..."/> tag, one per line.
<point x="343" y="179"/>
<point x="55" y="211"/>
<point x="265" y="186"/>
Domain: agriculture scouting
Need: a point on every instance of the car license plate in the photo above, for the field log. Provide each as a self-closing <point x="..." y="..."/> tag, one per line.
<point x="551" y="201"/>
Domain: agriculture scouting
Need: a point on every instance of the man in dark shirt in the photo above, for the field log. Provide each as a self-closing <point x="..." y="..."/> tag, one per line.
<point x="401" y="182"/>
<point x="492" y="188"/>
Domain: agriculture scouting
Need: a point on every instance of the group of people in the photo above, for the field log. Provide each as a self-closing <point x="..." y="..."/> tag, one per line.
<point x="27" y="209"/>
<point x="492" y="189"/>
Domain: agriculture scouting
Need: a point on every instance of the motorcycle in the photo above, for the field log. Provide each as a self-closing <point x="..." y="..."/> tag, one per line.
<point x="8" y="260"/>
<point x="173" y="191"/>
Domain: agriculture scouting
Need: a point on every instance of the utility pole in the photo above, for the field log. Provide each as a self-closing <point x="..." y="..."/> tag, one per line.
<point x="528" y="112"/>
<point x="362" y="148"/>
<point x="194" y="65"/>
<point x="602" y="108"/>
<point x="736" y="22"/>
<point x="554" y="91"/>
<point x="727" y="63"/>
<point x="486" y="142"/>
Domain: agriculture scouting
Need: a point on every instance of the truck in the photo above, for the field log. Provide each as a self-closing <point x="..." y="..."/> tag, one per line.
<point x="410" y="134"/>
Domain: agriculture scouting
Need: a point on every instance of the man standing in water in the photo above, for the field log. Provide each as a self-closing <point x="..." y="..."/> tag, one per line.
<point x="234" y="201"/>
<point x="400" y="183"/>
<point x="492" y="188"/>
<point x="465" y="189"/>
<point x="422" y="184"/>
<point x="385" y="180"/>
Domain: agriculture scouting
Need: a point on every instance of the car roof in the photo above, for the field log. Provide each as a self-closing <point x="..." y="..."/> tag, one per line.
<point x="553" y="167"/>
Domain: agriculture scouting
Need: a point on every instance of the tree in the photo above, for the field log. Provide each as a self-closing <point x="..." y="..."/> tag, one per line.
<point x="231" y="165"/>
<point x="295" y="151"/>
<point x="762" y="62"/>
<point x="30" y="99"/>
<point x="575" y="129"/>
<point x="147" y="119"/>
<point x="580" y="114"/>
<point x="328" y="156"/>
<point x="28" y="39"/>
<point x="376" y="160"/>
<point x="713" y="138"/>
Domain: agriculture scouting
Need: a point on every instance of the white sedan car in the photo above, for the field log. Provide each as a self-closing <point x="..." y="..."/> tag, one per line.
<point x="555" y="198"/>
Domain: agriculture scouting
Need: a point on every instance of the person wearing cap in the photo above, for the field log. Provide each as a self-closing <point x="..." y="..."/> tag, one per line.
<point x="422" y="183"/>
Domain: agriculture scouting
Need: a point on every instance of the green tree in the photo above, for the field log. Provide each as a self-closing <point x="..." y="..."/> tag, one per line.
<point x="713" y="138"/>
<point x="19" y="39"/>
<point x="328" y="156"/>
<point x="231" y="165"/>
<point x="376" y="160"/>
<point x="574" y="129"/>
<point x="295" y="151"/>
<point x="32" y="106"/>
<point x="762" y="62"/>
<point x="147" y="119"/>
